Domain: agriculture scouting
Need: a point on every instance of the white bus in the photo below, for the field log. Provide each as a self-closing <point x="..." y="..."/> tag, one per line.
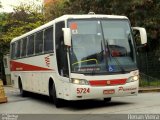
<point x="77" y="57"/>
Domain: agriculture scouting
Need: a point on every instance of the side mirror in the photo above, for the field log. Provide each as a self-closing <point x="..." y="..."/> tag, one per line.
<point x="140" y="35"/>
<point x="67" y="36"/>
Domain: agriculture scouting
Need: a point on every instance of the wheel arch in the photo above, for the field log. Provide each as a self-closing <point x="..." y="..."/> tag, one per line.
<point x="19" y="81"/>
<point x="50" y="83"/>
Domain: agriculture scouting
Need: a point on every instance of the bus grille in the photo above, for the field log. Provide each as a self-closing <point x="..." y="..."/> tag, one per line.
<point x="107" y="82"/>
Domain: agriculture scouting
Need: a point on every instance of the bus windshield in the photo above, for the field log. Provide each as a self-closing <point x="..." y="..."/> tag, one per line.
<point x="101" y="46"/>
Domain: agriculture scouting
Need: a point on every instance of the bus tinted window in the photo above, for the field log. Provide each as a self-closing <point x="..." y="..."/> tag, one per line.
<point x="39" y="42"/>
<point x="18" y="49"/>
<point x="48" y="39"/>
<point x="13" y="50"/>
<point x="24" y="45"/>
<point x="30" y="47"/>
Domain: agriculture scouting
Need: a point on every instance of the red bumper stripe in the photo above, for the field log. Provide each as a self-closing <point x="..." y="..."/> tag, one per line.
<point x="107" y="82"/>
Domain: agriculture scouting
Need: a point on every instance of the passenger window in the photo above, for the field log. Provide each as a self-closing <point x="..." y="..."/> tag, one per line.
<point x="24" y="46"/>
<point x="39" y="42"/>
<point x="30" y="46"/>
<point x="18" y="48"/>
<point x="13" y="50"/>
<point x="48" y="39"/>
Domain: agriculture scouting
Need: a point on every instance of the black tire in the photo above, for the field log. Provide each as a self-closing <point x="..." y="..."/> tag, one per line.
<point x="53" y="96"/>
<point x="22" y="92"/>
<point x="107" y="99"/>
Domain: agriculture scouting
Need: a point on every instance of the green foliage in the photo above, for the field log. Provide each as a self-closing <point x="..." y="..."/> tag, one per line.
<point x="0" y="4"/>
<point x="24" y="18"/>
<point x="54" y="9"/>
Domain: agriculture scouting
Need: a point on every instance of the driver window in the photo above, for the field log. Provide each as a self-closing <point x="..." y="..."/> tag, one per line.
<point x="61" y="52"/>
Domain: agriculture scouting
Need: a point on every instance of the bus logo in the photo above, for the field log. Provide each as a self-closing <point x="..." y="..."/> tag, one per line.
<point x="127" y="89"/>
<point x="108" y="82"/>
<point x="47" y="61"/>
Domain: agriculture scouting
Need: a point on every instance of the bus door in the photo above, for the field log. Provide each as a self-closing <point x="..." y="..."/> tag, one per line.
<point x="61" y="55"/>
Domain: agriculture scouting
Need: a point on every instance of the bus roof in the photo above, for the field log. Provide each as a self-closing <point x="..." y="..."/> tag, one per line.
<point x="65" y="17"/>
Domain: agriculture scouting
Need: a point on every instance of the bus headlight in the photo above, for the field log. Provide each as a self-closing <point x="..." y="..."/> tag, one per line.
<point x="79" y="81"/>
<point x="133" y="78"/>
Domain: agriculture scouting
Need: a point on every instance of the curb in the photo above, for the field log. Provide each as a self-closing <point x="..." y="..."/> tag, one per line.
<point x="147" y="90"/>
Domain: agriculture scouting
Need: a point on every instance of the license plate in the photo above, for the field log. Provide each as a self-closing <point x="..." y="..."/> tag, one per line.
<point x="109" y="91"/>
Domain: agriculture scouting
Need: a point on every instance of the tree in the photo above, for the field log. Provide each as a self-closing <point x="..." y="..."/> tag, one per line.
<point x="54" y="9"/>
<point x="23" y="19"/>
<point x="0" y="5"/>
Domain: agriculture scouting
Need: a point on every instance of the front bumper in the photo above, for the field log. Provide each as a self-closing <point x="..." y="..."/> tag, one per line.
<point x="82" y="92"/>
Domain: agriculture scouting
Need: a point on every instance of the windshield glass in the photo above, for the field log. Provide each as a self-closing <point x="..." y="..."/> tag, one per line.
<point x="101" y="46"/>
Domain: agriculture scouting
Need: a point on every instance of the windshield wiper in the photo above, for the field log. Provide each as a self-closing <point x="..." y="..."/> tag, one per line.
<point x="110" y="57"/>
<point x="119" y="65"/>
<point x="106" y="47"/>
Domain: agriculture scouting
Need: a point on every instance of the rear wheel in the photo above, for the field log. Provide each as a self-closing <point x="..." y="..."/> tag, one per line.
<point x="107" y="99"/>
<point x="53" y="96"/>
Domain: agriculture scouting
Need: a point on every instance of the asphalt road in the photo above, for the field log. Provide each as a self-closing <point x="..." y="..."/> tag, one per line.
<point x="144" y="103"/>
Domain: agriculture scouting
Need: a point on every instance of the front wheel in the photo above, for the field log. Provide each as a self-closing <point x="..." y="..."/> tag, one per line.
<point x="22" y="92"/>
<point x="53" y="96"/>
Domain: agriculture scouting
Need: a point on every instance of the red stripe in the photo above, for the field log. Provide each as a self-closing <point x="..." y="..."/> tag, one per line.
<point x="17" y="66"/>
<point x="98" y="83"/>
<point x="107" y="82"/>
<point x="47" y="61"/>
<point x="47" y="57"/>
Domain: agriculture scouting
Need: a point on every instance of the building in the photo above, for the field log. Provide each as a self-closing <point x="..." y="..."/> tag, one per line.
<point x="6" y="63"/>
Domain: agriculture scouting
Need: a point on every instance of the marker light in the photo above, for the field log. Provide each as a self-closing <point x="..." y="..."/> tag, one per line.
<point x="133" y="78"/>
<point x="76" y="81"/>
<point x="79" y="81"/>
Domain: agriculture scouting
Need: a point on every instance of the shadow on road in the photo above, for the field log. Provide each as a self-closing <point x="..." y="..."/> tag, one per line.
<point x="38" y="97"/>
<point x="79" y="105"/>
<point x="89" y="104"/>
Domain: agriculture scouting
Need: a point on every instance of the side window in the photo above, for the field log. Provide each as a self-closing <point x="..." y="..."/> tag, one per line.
<point x="13" y="50"/>
<point x="61" y="52"/>
<point x="30" y="46"/>
<point x="39" y="42"/>
<point x="18" y="51"/>
<point x="24" y="46"/>
<point x="48" y="39"/>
